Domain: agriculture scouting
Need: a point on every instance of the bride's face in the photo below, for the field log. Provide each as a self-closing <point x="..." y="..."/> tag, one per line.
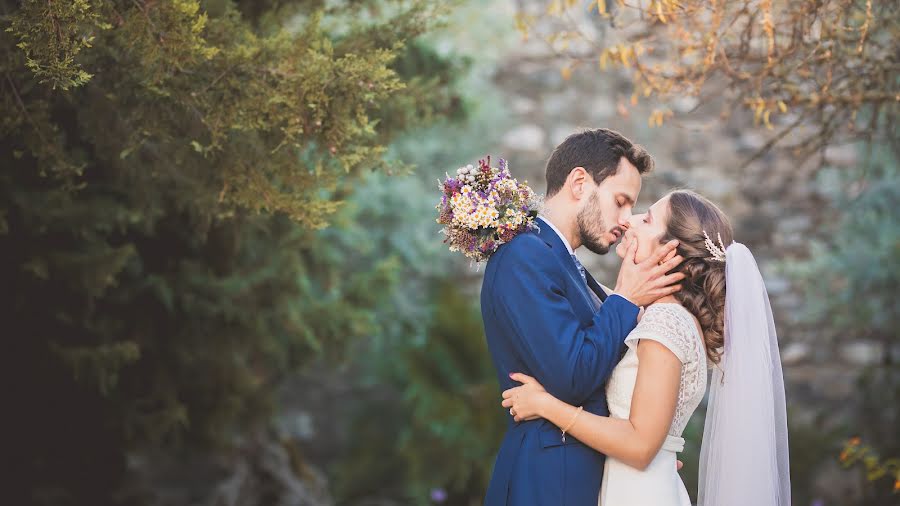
<point x="647" y="228"/>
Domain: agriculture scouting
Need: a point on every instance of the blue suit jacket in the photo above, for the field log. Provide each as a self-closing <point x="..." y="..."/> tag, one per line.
<point x="540" y="320"/>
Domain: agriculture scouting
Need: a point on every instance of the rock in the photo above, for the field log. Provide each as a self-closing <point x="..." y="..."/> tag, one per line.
<point x="525" y="138"/>
<point x="841" y="156"/>
<point x="296" y="425"/>
<point x="685" y="103"/>
<point x="712" y="182"/>
<point x="561" y="105"/>
<point x="601" y="107"/>
<point x="794" y="353"/>
<point x="523" y="105"/>
<point x="751" y="140"/>
<point x="861" y="353"/>
<point x="560" y="132"/>
<point x="795" y="224"/>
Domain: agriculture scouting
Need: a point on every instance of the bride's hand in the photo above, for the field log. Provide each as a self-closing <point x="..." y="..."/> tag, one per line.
<point x="525" y="402"/>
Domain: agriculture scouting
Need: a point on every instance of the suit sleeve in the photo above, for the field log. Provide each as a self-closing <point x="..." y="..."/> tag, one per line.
<point x="569" y="359"/>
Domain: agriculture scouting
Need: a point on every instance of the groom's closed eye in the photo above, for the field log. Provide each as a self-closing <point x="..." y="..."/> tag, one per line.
<point x="623" y="200"/>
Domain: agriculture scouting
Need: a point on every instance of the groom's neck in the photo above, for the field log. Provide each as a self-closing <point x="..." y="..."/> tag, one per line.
<point x="562" y="215"/>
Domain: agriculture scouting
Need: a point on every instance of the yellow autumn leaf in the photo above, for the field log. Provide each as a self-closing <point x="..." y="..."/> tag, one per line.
<point x="554" y="8"/>
<point x="601" y="8"/>
<point x="623" y="55"/>
<point x="639" y="48"/>
<point x="521" y="25"/>
<point x="782" y="106"/>
<point x="566" y="72"/>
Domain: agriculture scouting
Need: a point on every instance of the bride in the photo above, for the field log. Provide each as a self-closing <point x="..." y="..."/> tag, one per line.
<point x="662" y="377"/>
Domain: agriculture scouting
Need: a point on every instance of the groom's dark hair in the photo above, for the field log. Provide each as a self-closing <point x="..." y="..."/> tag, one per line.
<point x="599" y="152"/>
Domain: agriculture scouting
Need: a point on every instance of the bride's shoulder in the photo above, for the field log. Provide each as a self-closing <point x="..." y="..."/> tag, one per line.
<point x="668" y="312"/>
<point x="670" y="324"/>
<point x="675" y="317"/>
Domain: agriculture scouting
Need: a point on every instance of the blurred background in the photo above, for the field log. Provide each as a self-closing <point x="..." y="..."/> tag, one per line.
<point x="225" y="283"/>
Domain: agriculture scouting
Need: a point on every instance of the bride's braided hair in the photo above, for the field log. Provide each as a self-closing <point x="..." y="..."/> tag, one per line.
<point x="703" y="289"/>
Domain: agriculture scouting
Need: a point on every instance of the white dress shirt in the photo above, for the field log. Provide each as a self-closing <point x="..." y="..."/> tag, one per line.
<point x="572" y="252"/>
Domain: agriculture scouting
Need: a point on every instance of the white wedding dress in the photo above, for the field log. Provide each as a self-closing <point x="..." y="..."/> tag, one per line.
<point x="659" y="484"/>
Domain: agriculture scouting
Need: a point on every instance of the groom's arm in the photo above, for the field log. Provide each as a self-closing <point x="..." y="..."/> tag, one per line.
<point x="569" y="359"/>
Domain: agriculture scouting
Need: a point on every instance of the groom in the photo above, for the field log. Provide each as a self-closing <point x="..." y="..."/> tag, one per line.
<point x="544" y="315"/>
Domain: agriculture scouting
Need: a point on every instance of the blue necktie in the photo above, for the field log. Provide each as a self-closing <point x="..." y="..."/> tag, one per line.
<point x="580" y="269"/>
<point x="594" y="297"/>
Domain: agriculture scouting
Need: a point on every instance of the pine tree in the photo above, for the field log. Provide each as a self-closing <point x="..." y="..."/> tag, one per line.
<point x="165" y="167"/>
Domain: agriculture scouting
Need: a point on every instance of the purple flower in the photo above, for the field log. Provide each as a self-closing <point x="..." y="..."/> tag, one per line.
<point x="818" y="502"/>
<point x="438" y="495"/>
<point x="478" y="243"/>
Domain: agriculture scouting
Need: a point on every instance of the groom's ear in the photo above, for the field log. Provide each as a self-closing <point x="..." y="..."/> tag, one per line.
<point x="578" y="183"/>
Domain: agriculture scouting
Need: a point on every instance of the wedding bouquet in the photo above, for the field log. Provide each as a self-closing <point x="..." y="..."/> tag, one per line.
<point x="484" y="207"/>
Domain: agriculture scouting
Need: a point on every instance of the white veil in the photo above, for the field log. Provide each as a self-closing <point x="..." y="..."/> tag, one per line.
<point x="744" y="456"/>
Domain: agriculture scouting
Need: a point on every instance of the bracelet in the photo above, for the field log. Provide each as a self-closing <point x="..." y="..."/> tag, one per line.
<point x="577" y="412"/>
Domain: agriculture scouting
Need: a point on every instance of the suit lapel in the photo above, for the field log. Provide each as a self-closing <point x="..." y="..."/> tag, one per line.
<point x="553" y="240"/>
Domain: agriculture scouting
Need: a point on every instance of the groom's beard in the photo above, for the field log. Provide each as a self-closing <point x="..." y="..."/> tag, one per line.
<point x="590" y="221"/>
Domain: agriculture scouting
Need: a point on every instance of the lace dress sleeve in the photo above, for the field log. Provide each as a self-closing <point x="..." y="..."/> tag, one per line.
<point x="666" y="326"/>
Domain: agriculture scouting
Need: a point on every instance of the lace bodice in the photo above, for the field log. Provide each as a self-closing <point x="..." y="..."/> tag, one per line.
<point x="673" y="326"/>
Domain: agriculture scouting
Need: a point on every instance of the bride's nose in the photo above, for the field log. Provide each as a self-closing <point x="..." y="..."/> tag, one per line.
<point x="634" y="219"/>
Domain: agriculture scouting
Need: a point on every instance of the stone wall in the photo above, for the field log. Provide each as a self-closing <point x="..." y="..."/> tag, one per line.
<point x="773" y="201"/>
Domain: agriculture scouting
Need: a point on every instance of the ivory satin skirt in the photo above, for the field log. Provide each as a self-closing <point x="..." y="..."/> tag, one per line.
<point x="657" y="485"/>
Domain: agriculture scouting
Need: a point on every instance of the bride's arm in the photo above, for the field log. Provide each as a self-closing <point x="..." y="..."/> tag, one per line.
<point x="635" y="441"/>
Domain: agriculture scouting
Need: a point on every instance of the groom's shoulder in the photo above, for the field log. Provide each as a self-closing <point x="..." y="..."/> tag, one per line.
<point x="524" y="257"/>
<point x="527" y="246"/>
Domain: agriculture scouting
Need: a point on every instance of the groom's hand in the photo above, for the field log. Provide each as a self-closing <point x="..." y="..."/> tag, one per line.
<point x="646" y="282"/>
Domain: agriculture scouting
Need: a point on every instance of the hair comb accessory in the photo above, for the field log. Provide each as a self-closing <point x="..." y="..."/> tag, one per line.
<point x="717" y="251"/>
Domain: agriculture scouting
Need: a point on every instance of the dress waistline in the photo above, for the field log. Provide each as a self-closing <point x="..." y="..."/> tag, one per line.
<point x="673" y="444"/>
